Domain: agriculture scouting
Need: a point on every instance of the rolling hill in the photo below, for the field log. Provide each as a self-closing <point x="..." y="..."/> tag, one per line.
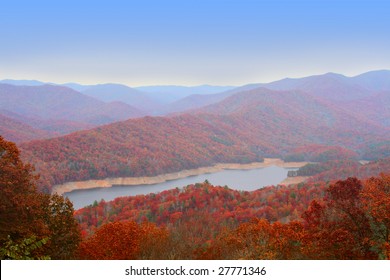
<point x="304" y="118"/>
<point x="50" y="127"/>
<point x="61" y="103"/>
<point x="333" y="87"/>
<point x="122" y="93"/>
<point x="139" y="147"/>
<point x="244" y="127"/>
<point x="170" y="94"/>
<point x="16" y="131"/>
<point x="375" y="107"/>
<point x="374" y="80"/>
<point x="322" y="114"/>
<point x="192" y="102"/>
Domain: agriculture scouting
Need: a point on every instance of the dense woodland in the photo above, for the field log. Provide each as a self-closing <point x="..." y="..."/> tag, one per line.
<point x="259" y="123"/>
<point x="336" y="170"/>
<point x="141" y="147"/>
<point x="344" y="219"/>
<point x="333" y="122"/>
<point x="317" y="118"/>
<point x="33" y="225"/>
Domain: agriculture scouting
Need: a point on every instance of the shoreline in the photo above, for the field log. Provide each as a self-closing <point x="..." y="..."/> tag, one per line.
<point x="129" y="181"/>
<point x="294" y="180"/>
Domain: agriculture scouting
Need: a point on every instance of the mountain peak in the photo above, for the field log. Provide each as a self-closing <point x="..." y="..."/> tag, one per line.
<point x="334" y="75"/>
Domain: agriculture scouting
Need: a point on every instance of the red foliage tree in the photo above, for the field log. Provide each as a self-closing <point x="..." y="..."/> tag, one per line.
<point x="125" y="241"/>
<point x="20" y="203"/>
<point x="26" y="214"/>
<point x="340" y="228"/>
<point x="376" y="201"/>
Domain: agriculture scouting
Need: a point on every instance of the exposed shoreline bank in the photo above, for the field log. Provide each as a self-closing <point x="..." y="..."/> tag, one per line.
<point x="109" y="182"/>
<point x="294" y="180"/>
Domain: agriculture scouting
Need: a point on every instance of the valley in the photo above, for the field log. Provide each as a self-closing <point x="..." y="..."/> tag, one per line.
<point x="173" y="164"/>
<point x="317" y="118"/>
<point x="189" y="131"/>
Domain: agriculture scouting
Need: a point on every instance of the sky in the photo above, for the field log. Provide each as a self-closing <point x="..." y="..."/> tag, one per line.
<point x="193" y="42"/>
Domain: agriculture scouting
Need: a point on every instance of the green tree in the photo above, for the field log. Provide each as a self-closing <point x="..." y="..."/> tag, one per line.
<point x="23" y="250"/>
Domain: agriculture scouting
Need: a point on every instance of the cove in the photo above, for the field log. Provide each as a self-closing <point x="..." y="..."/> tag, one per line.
<point x="239" y="179"/>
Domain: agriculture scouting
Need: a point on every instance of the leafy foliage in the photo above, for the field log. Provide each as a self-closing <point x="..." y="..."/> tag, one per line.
<point x="202" y="210"/>
<point x="20" y="209"/>
<point x="376" y="202"/>
<point x="341" y="170"/>
<point x="126" y="240"/>
<point x="320" y="153"/>
<point x="23" y="250"/>
<point x="339" y="227"/>
<point x="141" y="147"/>
<point x="64" y="229"/>
<point x="242" y="128"/>
<point x="351" y="222"/>
<point x="346" y="220"/>
<point x="32" y="225"/>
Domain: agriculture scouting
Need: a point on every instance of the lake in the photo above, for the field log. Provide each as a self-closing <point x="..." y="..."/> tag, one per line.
<point x="245" y="179"/>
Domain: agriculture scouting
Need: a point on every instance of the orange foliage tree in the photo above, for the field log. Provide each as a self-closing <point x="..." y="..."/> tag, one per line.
<point x="19" y="201"/>
<point x="27" y="215"/>
<point x="351" y="222"/>
<point x="376" y="202"/>
<point x="339" y="228"/>
<point x="258" y="239"/>
<point x="125" y="241"/>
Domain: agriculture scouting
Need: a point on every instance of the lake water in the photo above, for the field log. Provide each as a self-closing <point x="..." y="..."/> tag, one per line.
<point x="248" y="180"/>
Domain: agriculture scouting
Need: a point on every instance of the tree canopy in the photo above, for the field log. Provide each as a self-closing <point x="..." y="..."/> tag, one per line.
<point x="32" y="224"/>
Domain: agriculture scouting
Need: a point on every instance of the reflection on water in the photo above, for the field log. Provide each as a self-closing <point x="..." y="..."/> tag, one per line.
<point x="247" y="180"/>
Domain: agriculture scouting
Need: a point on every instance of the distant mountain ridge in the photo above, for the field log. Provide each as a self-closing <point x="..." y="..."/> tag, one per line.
<point x="17" y="131"/>
<point x="64" y="109"/>
<point x="297" y="112"/>
<point x="370" y="80"/>
<point x="148" y="98"/>
<point x="329" y="86"/>
<point x="243" y="127"/>
<point x="58" y="109"/>
<point x="375" y="80"/>
<point x="171" y="94"/>
<point x="58" y="102"/>
<point x="121" y="93"/>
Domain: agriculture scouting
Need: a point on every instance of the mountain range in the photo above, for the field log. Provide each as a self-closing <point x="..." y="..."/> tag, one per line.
<point x="329" y="115"/>
<point x="49" y="106"/>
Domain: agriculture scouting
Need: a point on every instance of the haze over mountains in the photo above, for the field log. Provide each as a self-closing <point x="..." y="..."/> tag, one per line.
<point x="54" y="105"/>
<point x="55" y="110"/>
<point x="330" y="113"/>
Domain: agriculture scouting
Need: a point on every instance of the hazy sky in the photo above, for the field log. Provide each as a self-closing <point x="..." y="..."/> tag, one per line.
<point x="192" y="42"/>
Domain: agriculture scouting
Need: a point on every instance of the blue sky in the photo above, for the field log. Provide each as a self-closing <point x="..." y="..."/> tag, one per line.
<point x="217" y="42"/>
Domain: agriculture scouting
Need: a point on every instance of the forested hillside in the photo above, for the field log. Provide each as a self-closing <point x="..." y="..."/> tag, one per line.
<point x="56" y="110"/>
<point x="18" y="131"/>
<point x="244" y="127"/>
<point x="331" y="121"/>
<point x="344" y="220"/>
<point x="142" y="147"/>
<point x="56" y="102"/>
<point x="341" y="170"/>
<point x="341" y="219"/>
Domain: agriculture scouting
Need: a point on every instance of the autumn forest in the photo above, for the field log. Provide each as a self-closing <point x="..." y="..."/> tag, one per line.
<point x="339" y="209"/>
